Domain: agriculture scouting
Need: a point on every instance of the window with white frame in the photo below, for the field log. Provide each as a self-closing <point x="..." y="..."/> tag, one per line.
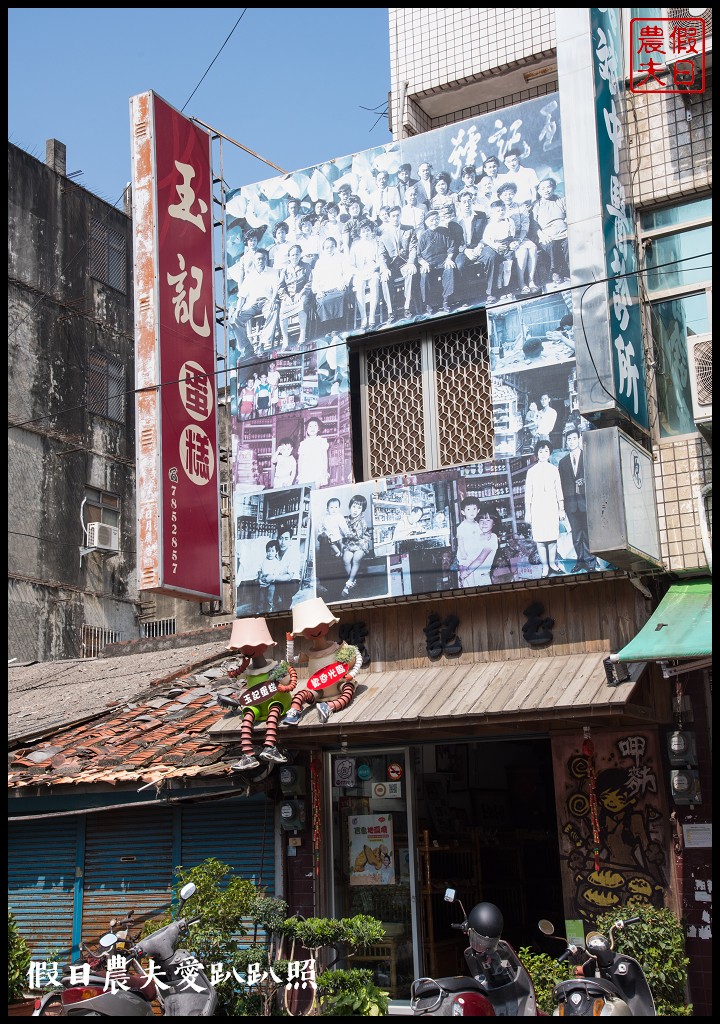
<point x="94" y="638"/>
<point x="159" y="627"/>
<point x="426" y="402"/>
<point x="106" y="387"/>
<point x="108" y="249"/>
<point x="677" y="245"/>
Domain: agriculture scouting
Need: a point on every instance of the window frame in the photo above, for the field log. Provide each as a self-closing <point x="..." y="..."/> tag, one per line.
<point x="102" y="365"/>
<point x="104" y="240"/>
<point x="660" y="295"/>
<point x="426" y="333"/>
<point x="106" y="503"/>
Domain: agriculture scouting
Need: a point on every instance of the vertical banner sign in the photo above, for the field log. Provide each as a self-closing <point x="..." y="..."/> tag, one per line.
<point x="177" y="438"/>
<point x="620" y="261"/>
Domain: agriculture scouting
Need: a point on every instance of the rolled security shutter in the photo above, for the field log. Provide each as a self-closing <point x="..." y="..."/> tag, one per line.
<point x="239" y="832"/>
<point x="128" y="866"/>
<point x="41" y="880"/>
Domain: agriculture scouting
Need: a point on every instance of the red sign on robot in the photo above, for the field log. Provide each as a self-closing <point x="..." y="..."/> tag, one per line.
<point x="394" y="771"/>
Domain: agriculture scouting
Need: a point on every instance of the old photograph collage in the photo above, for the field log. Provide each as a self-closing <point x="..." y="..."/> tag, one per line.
<point x="468" y="216"/>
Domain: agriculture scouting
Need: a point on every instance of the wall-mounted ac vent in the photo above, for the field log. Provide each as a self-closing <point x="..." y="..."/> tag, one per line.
<point x="700" y="364"/>
<point x="103" y="537"/>
<point x="676" y="16"/>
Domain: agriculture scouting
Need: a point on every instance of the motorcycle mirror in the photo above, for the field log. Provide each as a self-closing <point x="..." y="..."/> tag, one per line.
<point x="546" y="927"/>
<point x="187" y="891"/>
<point x="108" y="941"/>
<point x="450" y="895"/>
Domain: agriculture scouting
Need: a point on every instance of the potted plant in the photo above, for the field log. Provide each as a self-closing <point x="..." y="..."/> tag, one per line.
<point x="18" y="964"/>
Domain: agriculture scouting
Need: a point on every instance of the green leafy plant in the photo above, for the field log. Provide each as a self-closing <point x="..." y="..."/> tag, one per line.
<point x="351" y="993"/>
<point x="18" y="962"/>
<point x="340" y="992"/>
<point x="224" y="901"/>
<point x="657" y="941"/>
<point x="545" y="973"/>
<point x="250" y="934"/>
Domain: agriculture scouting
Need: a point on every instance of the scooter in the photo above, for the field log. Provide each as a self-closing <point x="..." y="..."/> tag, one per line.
<point x="112" y="992"/>
<point x="608" y="984"/>
<point x="499" y="985"/>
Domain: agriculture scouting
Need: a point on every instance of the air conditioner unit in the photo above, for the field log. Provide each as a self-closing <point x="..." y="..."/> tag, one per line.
<point x="676" y="16"/>
<point x="700" y="366"/>
<point x="103" y="537"/>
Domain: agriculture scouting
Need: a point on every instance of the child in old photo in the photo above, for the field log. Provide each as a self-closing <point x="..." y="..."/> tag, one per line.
<point x="334" y="527"/>
<point x="266" y="576"/>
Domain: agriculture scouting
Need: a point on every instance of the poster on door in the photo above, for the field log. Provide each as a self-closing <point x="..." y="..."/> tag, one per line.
<point x="371" y="852"/>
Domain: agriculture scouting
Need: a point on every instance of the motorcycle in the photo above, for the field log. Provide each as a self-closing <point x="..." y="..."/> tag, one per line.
<point x="110" y="991"/>
<point x="499" y="985"/>
<point x="607" y="984"/>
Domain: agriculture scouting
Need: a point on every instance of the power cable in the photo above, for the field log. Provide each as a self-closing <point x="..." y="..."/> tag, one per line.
<point x="342" y="343"/>
<point x="114" y="205"/>
<point x="214" y="59"/>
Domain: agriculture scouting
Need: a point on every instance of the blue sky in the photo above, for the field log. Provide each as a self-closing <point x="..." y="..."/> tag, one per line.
<point x="290" y="84"/>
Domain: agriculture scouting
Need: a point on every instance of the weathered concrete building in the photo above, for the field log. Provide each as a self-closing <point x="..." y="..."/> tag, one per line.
<point x="71" y="447"/>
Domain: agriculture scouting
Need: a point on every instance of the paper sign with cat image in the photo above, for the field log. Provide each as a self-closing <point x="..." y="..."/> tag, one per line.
<point x="370" y="842"/>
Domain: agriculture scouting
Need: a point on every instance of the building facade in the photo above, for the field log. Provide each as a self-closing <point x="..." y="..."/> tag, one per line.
<point x="72" y="582"/>
<point x="477" y="742"/>
<point x="498" y="703"/>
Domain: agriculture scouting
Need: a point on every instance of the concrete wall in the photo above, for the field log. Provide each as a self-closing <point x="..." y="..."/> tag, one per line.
<point x="57" y="315"/>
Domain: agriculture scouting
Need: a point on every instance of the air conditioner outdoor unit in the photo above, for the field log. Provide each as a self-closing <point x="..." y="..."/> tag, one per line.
<point x="676" y="17"/>
<point x="700" y="366"/>
<point x="103" y="537"/>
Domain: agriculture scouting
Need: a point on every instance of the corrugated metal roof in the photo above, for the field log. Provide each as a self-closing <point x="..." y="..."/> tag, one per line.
<point x="541" y="688"/>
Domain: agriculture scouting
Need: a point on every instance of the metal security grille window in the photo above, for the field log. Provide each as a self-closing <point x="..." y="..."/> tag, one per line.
<point x="427" y="403"/>
<point x="106" y="387"/>
<point x="94" y="638"/>
<point x="159" y="627"/>
<point x="108" y="255"/>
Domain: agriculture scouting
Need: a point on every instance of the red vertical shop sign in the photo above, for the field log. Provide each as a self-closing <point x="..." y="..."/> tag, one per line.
<point x="178" y="499"/>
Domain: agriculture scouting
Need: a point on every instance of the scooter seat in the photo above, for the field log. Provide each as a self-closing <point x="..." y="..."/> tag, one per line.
<point x="458" y="983"/>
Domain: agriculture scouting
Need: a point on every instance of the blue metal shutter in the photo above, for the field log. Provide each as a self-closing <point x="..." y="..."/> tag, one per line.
<point x="128" y="866"/>
<point x="41" y="881"/>
<point x="239" y="832"/>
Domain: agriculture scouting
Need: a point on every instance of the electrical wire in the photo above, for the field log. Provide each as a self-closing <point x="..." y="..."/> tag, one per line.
<point x="342" y="343"/>
<point x="213" y="60"/>
<point x="80" y="252"/>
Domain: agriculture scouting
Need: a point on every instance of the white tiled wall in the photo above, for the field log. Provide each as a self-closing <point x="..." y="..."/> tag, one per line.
<point x="672" y="154"/>
<point x="682" y="469"/>
<point x="433" y="46"/>
<point x="443" y="48"/>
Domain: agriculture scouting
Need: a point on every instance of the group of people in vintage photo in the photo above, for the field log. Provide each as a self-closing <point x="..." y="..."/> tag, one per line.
<point x="469" y="527"/>
<point x="412" y="246"/>
<point x="468" y="215"/>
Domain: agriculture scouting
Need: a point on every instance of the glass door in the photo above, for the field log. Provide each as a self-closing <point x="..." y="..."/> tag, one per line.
<point x="370" y="796"/>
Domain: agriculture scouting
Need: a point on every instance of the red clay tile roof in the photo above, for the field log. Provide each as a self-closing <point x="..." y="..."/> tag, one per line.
<point x="155" y="736"/>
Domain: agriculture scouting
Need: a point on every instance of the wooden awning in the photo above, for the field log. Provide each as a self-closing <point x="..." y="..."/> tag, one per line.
<point x="459" y="700"/>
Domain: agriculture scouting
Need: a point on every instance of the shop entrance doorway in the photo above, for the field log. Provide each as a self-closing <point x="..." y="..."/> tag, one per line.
<point x="487" y="827"/>
<point x="407" y="823"/>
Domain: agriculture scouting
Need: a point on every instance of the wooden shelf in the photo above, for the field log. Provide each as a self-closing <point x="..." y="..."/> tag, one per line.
<point x="459" y="869"/>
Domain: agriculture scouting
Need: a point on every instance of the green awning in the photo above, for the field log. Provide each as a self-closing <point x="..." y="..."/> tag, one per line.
<point x="680" y="627"/>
